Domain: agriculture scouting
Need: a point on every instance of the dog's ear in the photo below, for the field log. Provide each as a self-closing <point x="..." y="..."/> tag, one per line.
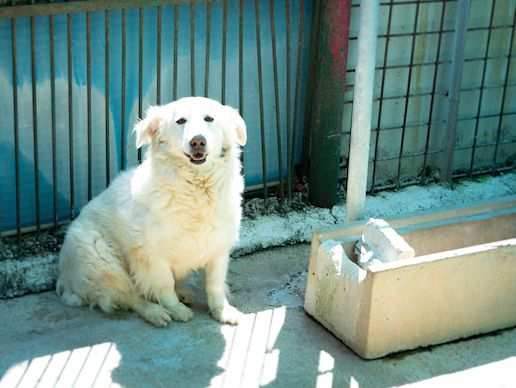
<point x="146" y="129"/>
<point x="238" y="124"/>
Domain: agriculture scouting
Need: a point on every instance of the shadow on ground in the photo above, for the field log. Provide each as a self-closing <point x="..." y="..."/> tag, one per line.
<point x="310" y="357"/>
<point x="49" y="343"/>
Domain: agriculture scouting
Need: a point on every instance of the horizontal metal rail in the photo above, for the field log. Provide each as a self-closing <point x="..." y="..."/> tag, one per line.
<point x="82" y="6"/>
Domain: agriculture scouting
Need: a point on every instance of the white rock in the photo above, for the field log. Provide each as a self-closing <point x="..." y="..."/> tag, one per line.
<point x="380" y="241"/>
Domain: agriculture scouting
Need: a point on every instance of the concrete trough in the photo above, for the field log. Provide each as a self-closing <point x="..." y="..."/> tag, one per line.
<point x="461" y="280"/>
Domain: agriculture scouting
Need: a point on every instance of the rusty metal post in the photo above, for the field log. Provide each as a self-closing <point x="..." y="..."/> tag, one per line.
<point x="328" y="100"/>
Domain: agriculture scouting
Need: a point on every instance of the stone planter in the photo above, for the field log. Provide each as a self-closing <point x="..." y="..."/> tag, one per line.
<point x="461" y="281"/>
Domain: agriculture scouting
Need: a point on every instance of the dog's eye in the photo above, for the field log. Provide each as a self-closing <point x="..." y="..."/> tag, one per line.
<point x="182" y="120"/>
<point x="207" y="118"/>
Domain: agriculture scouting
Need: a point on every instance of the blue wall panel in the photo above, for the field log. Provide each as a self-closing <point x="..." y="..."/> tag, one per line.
<point x="121" y="127"/>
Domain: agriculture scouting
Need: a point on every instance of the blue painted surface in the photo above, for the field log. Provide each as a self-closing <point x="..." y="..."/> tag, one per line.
<point x="253" y="154"/>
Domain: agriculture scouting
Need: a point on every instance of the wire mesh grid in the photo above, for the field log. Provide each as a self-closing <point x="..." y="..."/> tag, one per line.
<point x="413" y="69"/>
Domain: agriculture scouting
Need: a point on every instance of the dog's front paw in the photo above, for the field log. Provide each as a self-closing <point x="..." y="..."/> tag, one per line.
<point x="180" y="312"/>
<point x="227" y="314"/>
<point x="156" y="315"/>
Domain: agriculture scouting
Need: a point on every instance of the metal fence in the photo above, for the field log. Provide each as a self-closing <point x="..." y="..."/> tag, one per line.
<point x="412" y="80"/>
<point x="75" y="76"/>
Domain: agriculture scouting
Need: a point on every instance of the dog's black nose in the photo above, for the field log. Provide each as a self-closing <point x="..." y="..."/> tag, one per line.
<point x="198" y="144"/>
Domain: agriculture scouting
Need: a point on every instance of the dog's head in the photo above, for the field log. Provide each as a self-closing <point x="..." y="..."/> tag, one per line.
<point x="198" y="129"/>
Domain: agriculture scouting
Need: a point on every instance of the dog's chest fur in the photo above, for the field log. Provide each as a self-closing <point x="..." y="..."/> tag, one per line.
<point x="193" y="218"/>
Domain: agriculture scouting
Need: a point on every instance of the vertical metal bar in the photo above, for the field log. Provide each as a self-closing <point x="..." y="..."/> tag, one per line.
<point x="35" y="120"/>
<point x="288" y="92"/>
<point x="158" y="56"/>
<point x="312" y="66"/>
<point x="53" y="117"/>
<point x="16" y="134"/>
<point x="176" y="21"/>
<point x="380" y="101"/>
<point x="276" y="98"/>
<point x="224" y="39"/>
<point x="407" y="93"/>
<point x="241" y="67"/>
<point x="241" y="57"/>
<point x="434" y="88"/>
<point x="192" y="48"/>
<point x="481" y="91"/>
<point x="260" y="92"/>
<point x="300" y="40"/>
<point x="70" y="112"/>
<point x="456" y="78"/>
<point x="504" y="93"/>
<point x="123" y="145"/>
<point x="208" y="46"/>
<point x="106" y="96"/>
<point x="88" y="82"/>
<point x="140" y="71"/>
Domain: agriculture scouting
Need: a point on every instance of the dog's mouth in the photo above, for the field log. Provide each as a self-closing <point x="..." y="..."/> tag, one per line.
<point x="197" y="158"/>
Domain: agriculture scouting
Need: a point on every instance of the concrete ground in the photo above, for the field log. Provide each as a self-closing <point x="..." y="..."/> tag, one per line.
<point x="43" y="343"/>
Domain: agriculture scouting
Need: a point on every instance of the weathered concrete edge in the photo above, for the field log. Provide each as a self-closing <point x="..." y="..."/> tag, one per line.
<point x="38" y="273"/>
<point x="28" y="275"/>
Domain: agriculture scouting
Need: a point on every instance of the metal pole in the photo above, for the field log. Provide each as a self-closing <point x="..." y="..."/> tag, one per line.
<point x="461" y="19"/>
<point x="328" y="101"/>
<point x="362" y="108"/>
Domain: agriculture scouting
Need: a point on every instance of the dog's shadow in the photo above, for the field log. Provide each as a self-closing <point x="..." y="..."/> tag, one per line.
<point x="52" y="344"/>
<point x="182" y="355"/>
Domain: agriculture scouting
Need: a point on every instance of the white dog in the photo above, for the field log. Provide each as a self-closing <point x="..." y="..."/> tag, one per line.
<point x="178" y="211"/>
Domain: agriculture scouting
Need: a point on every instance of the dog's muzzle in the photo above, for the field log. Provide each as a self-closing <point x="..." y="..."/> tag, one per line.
<point x="198" y="152"/>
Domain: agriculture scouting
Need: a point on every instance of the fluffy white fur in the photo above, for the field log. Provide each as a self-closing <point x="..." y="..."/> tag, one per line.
<point x="133" y="244"/>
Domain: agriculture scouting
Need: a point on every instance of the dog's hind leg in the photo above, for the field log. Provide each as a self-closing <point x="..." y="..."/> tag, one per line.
<point x="120" y="293"/>
<point x="91" y="272"/>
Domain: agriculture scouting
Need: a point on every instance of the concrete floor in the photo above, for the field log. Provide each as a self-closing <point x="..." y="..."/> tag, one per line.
<point x="43" y="343"/>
